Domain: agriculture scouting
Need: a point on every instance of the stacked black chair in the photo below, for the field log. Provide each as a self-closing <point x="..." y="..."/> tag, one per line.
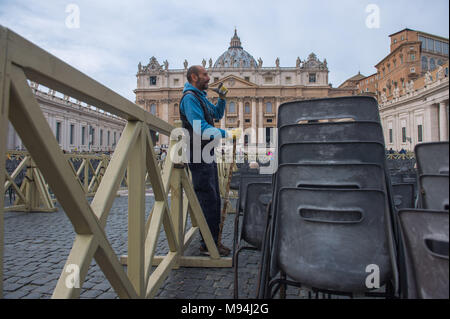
<point x="425" y="230"/>
<point x="332" y="213"/>
<point x="255" y="193"/>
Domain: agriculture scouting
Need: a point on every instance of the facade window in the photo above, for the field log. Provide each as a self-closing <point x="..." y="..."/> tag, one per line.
<point x="247" y="120"/>
<point x="424" y="42"/>
<point x="72" y="133"/>
<point x="432" y="64"/>
<point x="419" y="133"/>
<point x="445" y="48"/>
<point x="412" y="57"/>
<point x="153" y="80"/>
<point x="391" y="137"/>
<point x="232" y="107"/>
<point x="93" y="135"/>
<point x="58" y="132"/>
<point x="430" y="44"/>
<point x="83" y="135"/>
<point x="247" y="78"/>
<point x="247" y="108"/>
<point x="395" y="41"/>
<point x="216" y="79"/>
<point x="101" y="137"/>
<point x="268" y="79"/>
<point x="268" y="107"/>
<point x="437" y="46"/>
<point x="114" y="140"/>
<point x="109" y="138"/>
<point x="401" y="59"/>
<point x="176" y="109"/>
<point x="176" y="81"/>
<point x="424" y="63"/>
<point x="312" y="78"/>
<point x="403" y="134"/>
<point x="153" y="109"/>
<point x="412" y="70"/>
<point x="269" y="120"/>
<point x="403" y="38"/>
<point x="288" y="80"/>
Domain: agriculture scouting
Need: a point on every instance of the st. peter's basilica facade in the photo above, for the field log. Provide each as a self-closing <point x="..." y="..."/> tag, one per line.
<point x="255" y="91"/>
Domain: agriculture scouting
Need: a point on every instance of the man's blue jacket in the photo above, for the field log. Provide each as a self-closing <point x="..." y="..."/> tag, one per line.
<point x="191" y="108"/>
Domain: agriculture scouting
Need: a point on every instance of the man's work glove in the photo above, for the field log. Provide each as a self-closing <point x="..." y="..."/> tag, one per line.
<point x="221" y="90"/>
<point x="237" y="132"/>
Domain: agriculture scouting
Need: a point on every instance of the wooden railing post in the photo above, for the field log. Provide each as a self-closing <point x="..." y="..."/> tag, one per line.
<point x="4" y="106"/>
<point x="136" y="214"/>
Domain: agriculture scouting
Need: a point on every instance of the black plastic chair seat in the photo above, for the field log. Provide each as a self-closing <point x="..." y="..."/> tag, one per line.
<point x="403" y="195"/>
<point x="432" y="158"/>
<point x="331" y="132"/>
<point x="258" y="198"/>
<point x="358" y="108"/>
<point x="327" y="238"/>
<point x="434" y="191"/>
<point x="338" y="152"/>
<point x="426" y="235"/>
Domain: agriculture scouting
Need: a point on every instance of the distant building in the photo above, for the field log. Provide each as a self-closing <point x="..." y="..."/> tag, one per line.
<point x="411" y="85"/>
<point x="77" y="127"/>
<point x="255" y="92"/>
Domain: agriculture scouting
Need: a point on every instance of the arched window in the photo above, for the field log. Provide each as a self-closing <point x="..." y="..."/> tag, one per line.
<point x="247" y="108"/>
<point x="175" y="108"/>
<point x="424" y="63"/>
<point x="440" y="62"/>
<point x="232" y="107"/>
<point x="269" y="107"/>
<point x="153" y="109"/>
<point x="432" y="64"/>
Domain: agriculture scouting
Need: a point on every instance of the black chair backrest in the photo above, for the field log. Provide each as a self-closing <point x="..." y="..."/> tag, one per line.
<point x="343" y="176"/>
<point x="330" y="237"/>
<point x="331" y="132"/>
<point x="426" y="235"/>
<point x="358" y="108"/>
<point x="434" y="191"/>
<point x="404" y="195"/>
<point x="247" y="179"/>
<point x="254" y="222"/>
<point x="338" y="152"/>
<point x="432" y="158"/>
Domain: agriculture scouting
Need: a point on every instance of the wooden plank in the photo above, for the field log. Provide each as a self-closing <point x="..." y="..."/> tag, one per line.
<point x="4" y="106"/>
<point x="136" y="214"/>
<point x="197" y="213"/>
<point x="32" y="127"/>
<point x="46" y="69"/>
<point x="160" y="274"/>
<point x="16" y="172"/>
<point x="78" y="262"/>
<point x="194" y="261"/>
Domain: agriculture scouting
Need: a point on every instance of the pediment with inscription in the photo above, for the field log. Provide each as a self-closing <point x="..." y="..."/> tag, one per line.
<point x="232" y="81"/>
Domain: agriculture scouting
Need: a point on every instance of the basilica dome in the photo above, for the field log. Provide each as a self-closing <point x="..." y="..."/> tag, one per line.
<point x="235" y="56"/>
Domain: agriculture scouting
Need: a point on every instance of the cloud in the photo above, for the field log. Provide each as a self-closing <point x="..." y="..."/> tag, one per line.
<point x="114" y="36"/>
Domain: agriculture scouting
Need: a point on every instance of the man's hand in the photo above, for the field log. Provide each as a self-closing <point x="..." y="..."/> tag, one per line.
<point x="234" y="133"/>
<point x="221" y="90"/>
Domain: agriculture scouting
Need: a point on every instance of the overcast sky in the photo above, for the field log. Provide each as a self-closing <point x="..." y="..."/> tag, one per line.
<point x="114" y="36"/>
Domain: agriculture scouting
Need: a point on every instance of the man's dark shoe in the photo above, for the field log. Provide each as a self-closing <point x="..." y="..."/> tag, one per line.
<point x="223" y="251"/>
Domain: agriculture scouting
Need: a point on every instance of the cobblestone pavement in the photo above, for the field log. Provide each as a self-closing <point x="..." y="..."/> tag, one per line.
<point x="38" y="244"/>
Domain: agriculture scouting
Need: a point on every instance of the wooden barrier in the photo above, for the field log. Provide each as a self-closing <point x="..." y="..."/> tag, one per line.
<point x="21" y="60"/>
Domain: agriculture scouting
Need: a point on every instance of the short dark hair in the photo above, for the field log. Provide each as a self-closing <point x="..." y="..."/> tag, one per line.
<point x="192" y="70"/>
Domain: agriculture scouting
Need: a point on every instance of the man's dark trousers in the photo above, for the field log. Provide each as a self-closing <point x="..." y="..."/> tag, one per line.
<point x="206" y="186"/>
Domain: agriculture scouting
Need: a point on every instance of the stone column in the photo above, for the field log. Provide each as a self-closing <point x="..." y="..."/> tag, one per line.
<point x="254" y="123"/>
<point x="443" y="122"/>
<point x="241" y="113"/>
<point x="260" y="122"/>
<point x="164" y="113"/>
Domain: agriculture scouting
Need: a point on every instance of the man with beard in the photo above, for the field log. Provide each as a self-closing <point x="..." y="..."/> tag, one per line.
<point x="197" y="115"/>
